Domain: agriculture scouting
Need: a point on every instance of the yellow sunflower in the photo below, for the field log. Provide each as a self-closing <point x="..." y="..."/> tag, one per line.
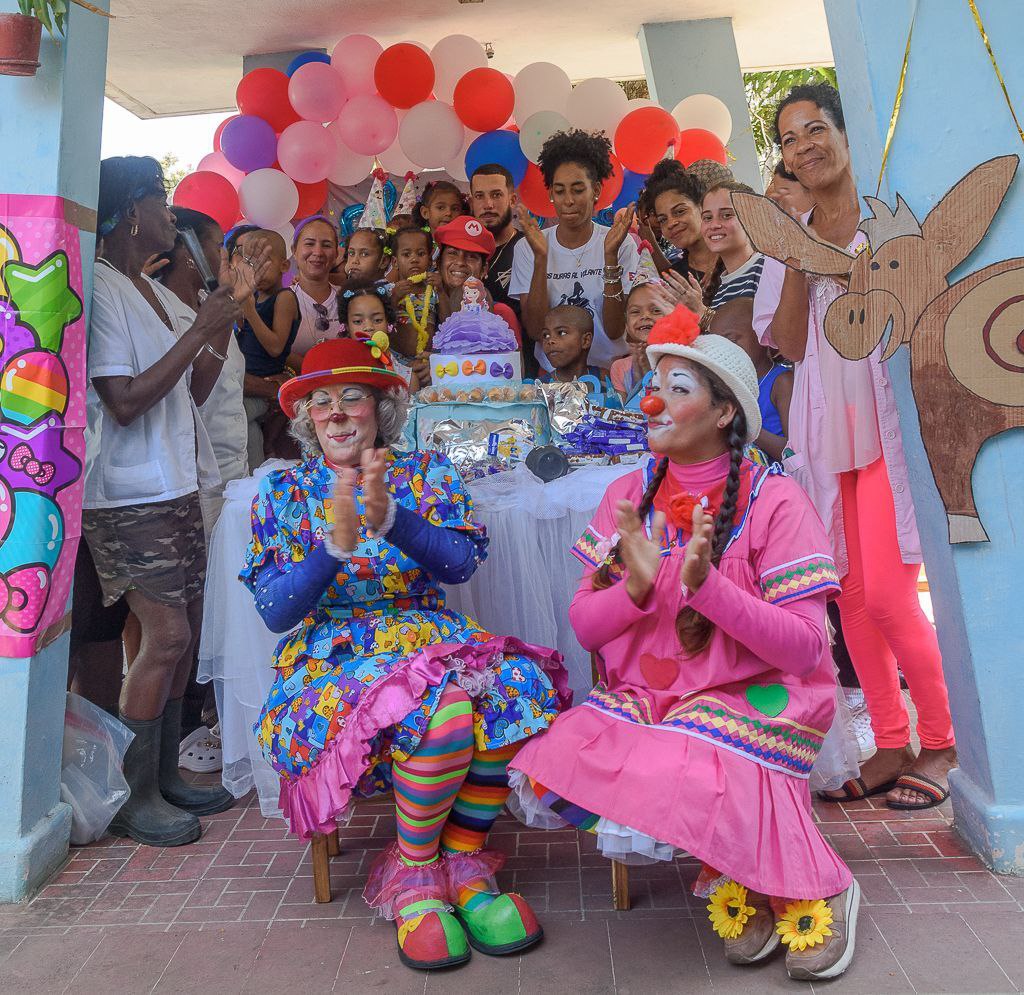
<point x="729" y="910"/>
<point x="805" y="923"/>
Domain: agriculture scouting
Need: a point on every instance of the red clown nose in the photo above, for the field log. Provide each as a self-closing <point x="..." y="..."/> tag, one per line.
<point x="652" y="405"/>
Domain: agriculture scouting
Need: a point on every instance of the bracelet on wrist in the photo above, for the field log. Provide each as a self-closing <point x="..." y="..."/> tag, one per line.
<point x="704" y="324"/>
<point x="213" y="352"/>
<point x="338" y="554"/>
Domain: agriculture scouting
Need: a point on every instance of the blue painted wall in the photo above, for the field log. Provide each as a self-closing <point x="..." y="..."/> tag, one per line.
<point x="953" y="117"/>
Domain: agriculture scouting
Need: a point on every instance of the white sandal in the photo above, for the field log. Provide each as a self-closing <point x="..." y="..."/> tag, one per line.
<point x="200" y="750"/>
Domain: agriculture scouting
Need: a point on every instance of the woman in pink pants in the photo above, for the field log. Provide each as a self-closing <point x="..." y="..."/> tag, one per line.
<point x="848" y="455"/>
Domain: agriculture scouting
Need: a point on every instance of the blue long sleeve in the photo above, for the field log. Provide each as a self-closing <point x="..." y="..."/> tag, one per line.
<point x="284" y="599"/>
<point x="450" y="556"/>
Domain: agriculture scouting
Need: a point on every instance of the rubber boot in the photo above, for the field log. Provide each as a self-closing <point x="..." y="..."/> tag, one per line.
<point x="145" y="816"/>
<point x="194" y="798"/>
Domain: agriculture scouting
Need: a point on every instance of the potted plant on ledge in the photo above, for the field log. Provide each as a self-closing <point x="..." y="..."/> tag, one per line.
<point x="20" y="34"/>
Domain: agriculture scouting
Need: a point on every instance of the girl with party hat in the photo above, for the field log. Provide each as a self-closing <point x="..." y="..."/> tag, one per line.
<point x="703" y="596"/>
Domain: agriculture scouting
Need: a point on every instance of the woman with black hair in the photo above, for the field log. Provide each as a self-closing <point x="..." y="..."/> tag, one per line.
<point x="675" y="196"/>
<point x="576" y="262"/>
<point x="703" y="594"/>
<point x="844" y="430"/>
<point x="149" y="368"/>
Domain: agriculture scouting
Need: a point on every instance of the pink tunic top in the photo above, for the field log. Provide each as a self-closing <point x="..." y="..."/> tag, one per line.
<point x="711" y="752"/>
<point x="812" y="433"/>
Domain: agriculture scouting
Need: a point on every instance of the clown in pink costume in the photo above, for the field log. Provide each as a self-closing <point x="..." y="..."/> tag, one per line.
<point x="703" y="595"/>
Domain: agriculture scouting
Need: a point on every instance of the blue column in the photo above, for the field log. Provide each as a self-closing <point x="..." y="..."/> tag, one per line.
<point x="52" y="125"/>
<point x="686" y="57"/>
<point x="954" y="117"/>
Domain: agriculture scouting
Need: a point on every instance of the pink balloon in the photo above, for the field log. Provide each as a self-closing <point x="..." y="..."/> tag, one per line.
<point x="216" y="162"/>
<point x="317" y="92"/>
<point x="353" y="59"/>
<point x="306" y="152"/>
<point x="348" y="167"/>
<point x="368" y="124"/>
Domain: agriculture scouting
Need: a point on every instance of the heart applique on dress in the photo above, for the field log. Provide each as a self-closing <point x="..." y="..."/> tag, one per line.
<point x="659" y="672"/>
<point x="768" y="699"/>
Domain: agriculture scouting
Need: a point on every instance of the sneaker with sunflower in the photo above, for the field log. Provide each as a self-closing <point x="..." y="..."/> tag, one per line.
<point x="744" y="920"/>
<point x="820" y="935"/>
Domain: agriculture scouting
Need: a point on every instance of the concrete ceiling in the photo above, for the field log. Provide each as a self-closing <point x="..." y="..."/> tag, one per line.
<point x="185" y="56"/>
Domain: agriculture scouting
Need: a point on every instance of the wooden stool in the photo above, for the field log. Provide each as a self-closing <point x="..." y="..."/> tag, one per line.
<point x="620" y="871"/>
<point x="322" y="848"/>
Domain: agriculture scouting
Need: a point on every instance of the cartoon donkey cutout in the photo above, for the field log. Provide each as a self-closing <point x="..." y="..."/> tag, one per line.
<point x="966" y="340"/>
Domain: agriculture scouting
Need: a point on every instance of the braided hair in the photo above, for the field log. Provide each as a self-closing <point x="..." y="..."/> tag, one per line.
<point x="693" y="629"/>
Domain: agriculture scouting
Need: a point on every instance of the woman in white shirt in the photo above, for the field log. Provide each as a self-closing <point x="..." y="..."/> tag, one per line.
<point x="223" y="412"/>
<point x="577" y="261"/>
<point x="148" y="455"/>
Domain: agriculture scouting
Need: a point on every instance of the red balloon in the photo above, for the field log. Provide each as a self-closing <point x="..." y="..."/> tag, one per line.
<point x="611" y="187"/>
<point x="312" y="198"/>
<point x="484" y="99"/>
<point x="534" y="194"/>
<point x="643" y="137"/>
<point x="211" y="194"/>
<point x="264" y="92"/>
<point x="696" y="144"/>
<point x="220" y="131"/>
<point x="404" y="75"/>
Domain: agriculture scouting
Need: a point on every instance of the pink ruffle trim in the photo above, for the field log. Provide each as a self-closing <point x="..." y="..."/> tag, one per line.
<point x="463" y="868"/>
<point x="393" y="884"/>
<point x="314" y="800"/>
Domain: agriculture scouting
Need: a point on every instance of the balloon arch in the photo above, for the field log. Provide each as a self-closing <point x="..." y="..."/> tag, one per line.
<point x="333" y="119"/>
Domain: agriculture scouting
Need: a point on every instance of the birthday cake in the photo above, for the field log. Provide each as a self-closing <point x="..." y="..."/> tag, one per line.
<point x="475" y="347"/>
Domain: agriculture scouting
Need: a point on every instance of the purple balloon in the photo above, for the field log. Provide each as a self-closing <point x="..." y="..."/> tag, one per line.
<point x="249" y="143"/>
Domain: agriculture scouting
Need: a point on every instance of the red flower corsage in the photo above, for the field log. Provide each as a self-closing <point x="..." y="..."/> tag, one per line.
<point x="681" y="327"/>
<point x="680" y="509"/>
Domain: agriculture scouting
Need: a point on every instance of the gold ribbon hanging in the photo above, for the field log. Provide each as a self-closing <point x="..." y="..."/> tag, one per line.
<point x="897" y="103"/>
<point x="995" y="65"/>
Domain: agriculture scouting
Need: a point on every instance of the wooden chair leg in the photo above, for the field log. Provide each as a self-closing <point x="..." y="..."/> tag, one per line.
<point x="320" y="852"/>
<point x="620" y="886"/>
<point x="333" y="844"/>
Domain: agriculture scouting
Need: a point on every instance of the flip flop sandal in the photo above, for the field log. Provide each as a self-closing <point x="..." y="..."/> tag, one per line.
<point x="856" y="789"/>
<point x="923" y="785"/>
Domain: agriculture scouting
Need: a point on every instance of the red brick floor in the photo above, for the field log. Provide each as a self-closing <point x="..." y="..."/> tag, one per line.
<point x="234" y="912"/>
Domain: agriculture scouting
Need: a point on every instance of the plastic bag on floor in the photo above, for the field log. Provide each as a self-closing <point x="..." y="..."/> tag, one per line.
<point x="91" y="778"/>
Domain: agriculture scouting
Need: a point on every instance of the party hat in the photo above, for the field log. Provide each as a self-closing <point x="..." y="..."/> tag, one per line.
<point x="407" y="202"/>
<point x="374" y="214"/>
<point x="646" y="272"/>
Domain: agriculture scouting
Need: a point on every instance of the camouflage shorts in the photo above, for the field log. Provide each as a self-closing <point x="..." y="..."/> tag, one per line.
<point x="157" y="549"/>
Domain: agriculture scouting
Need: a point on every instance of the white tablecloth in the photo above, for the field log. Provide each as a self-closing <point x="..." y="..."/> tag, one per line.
<point x="522" y="589"/>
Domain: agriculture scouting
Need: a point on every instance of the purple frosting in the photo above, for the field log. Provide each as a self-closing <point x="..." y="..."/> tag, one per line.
<point x="474" y="331"/>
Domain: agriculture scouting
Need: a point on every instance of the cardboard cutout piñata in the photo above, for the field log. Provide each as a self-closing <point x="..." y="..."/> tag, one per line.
<point x="966" y="340"/>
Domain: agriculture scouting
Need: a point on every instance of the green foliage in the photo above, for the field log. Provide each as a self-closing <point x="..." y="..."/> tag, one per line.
<point x="173" y="172"/>
<point x="52" y="13"/>
<point x="764" y="91"/>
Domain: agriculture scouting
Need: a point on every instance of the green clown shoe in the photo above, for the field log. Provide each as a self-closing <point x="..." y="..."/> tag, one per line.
<point x="505" y="926"/>
<point x="430" y="937"/>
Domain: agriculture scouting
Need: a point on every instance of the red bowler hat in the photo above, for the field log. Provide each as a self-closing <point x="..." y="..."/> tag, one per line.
<point x="466" y="233"/>
<point x="341" y="361"/>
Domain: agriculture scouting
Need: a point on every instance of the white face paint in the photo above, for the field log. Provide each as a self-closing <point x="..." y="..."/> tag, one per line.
<point x="677" y="384"/>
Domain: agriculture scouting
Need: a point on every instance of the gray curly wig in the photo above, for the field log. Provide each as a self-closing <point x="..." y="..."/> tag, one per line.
<point x="392" y="413"/>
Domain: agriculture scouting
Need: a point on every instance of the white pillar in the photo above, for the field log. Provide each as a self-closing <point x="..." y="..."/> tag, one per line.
<point x="686" y="57"/>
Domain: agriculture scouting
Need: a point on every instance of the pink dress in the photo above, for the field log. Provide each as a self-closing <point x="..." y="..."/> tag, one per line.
<point x="707" y="753"/>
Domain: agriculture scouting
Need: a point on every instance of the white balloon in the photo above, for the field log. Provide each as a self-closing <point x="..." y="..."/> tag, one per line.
<point x="349" y="167"/>
<point x="453" y="57"/>
<point x="268" y="198"/>
<point x="431" y="133"/>
<point x="702" y="110"/>
<point x="396" y="162"/>
<point x="638" y="102"/>
<point x="456" y="166"/>
<point x="540" y="86"/>
<point x="597" y="104"/>
<point x="537" y="129"/>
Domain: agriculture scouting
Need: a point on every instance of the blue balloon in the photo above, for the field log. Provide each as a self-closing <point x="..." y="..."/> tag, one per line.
<point x="632" y="184"/>
<point x="501" y="147"/>
<point x="301" y="60"/>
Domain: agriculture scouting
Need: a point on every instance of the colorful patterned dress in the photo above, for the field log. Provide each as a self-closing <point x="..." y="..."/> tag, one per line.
<point x="358" y="680"/>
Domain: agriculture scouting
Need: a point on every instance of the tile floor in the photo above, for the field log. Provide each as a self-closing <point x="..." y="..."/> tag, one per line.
<point x="234" y="912"/>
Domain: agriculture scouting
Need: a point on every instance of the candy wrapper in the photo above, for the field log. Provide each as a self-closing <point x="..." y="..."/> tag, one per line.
<point x="585" y="430"/>
<point x="567" y="404"/>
